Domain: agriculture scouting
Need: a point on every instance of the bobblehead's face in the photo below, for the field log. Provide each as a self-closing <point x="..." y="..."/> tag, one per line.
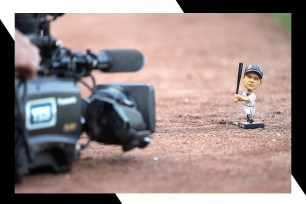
<point x="251" y="81"/>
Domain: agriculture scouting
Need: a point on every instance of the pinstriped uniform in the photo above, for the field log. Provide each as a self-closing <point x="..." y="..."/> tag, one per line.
<point x="249" y="106"/>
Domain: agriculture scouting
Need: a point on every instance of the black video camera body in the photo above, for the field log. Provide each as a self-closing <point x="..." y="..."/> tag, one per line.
<point x="50" y="114"/>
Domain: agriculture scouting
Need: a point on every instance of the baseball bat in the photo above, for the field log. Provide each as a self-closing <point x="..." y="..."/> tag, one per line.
<point x="239" y="76"/>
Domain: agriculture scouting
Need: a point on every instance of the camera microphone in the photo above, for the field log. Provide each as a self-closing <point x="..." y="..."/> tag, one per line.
<point x="121" y="60"/>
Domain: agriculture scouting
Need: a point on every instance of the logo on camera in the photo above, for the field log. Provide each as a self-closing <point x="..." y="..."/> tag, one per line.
<point x="41" y="113"/>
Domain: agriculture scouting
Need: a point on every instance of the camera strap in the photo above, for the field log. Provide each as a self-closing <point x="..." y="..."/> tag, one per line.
<point x="20" y="131"/>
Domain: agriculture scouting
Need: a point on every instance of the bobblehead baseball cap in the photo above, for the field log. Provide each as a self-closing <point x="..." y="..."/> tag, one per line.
<point x="254" y="68"/>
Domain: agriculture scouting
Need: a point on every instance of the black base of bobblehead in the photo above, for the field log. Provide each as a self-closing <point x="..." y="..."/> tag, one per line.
<point x="247" y="125"/>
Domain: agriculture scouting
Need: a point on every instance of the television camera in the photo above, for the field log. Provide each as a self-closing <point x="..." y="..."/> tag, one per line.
<point x="51" y="114"/>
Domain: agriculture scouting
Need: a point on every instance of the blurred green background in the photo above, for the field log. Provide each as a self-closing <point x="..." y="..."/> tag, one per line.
<point x="283" y="19"/>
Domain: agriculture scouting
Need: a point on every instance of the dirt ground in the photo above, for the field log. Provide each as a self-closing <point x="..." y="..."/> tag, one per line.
<point x="192" y="62"/>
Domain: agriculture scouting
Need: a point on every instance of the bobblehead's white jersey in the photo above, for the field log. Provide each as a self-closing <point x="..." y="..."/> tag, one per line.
<point x="249" y="106"/>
